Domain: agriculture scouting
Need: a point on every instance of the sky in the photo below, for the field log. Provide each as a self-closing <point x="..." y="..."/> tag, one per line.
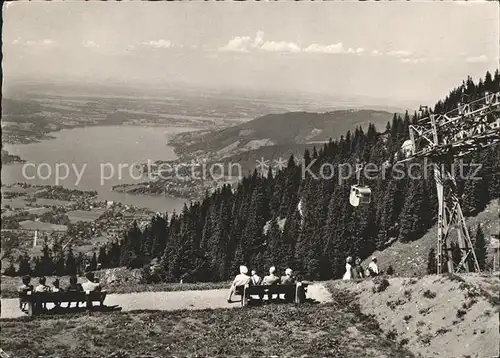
<point x="397" y="51"/>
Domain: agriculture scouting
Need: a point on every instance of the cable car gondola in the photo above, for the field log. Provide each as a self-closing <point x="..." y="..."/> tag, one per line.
<point x="360" y="194"/>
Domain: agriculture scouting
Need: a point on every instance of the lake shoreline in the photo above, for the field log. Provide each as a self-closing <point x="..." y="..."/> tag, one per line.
<point x="95" y="145"/>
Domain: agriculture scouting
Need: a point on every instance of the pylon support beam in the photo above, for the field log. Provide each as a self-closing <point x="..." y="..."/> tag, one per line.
<point x="442" y="138"/>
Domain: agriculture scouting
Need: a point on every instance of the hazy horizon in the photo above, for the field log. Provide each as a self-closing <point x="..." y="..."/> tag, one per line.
<point x="397" y="53"/>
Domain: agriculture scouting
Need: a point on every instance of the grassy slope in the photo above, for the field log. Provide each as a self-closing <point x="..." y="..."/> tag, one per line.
<point x="410" y="259"/>
<point x="432" y="313"/>
<point x="282" y="330"/>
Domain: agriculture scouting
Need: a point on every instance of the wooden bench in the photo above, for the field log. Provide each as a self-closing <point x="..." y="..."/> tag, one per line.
<point x="36" y="300"/>
<point x="295" y="292"/>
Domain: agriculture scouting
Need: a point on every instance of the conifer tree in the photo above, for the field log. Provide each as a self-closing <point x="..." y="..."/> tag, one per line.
<point x="38" y="269"/>
<point x="71" y="268"/>
<point x="24" y="265"/>
<point x="47" y="265"/>
<point x="93" y="262"/>
<point x="102" y="258"/>
<point x="60" y="265"/>
<point x="480" y="248"/>
<point x="412" y="217"/>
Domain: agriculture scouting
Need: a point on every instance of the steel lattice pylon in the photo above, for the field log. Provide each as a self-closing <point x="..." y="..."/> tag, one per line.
<point x="442" y="138"/>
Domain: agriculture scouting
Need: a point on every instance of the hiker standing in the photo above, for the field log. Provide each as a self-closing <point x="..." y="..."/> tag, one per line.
<point x="348" y="269"/>
<point x="360" y="272"/>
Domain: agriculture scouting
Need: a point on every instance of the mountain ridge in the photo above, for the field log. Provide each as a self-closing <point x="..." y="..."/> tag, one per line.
<point x="277" y="129"/>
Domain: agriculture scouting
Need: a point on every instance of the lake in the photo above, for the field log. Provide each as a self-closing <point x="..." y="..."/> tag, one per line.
<point x="96" y="158"/>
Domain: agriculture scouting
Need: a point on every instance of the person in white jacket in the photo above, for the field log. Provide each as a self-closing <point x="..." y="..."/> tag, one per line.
<point x="372" y="267"/>
<point x="348" y="269"/>
<point x="240" y="280"/>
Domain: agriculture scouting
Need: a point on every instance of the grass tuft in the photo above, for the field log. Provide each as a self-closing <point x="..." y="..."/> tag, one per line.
<point x="429" y="294"/>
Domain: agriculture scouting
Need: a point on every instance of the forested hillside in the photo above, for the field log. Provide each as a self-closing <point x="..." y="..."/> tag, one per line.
<point x="278" y="129"/>
<point x="210" y="239"/>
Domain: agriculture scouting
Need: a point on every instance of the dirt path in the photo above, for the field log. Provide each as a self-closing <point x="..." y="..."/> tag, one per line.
<point x="167" y="301"/>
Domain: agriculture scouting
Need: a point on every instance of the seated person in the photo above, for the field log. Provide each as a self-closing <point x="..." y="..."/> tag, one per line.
<point x="288" y="279"/>
<point x="271" y="280"/>
<point x="73" y="284"/>
<point x="42" y="287"/>
<point x="256" y="280"/>
<point x="93" y="285"/>
<point x="240" y="280"/>
<point x="56" y="288"/>
<point x="72" y="287"/>
<point x="23" y="289"/>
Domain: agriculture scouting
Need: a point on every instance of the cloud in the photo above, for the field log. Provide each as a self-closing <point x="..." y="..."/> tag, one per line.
<point x="282" y="46"/>
<point x="376" y="53"/>
<point x="90" y="43"/>
<point x="259" y="39"/>
<point x="334" y="48"/>
<point x="44" y="42"/>
<point x="399" y="53"/>
<point x="414" y="60"/>
<point x="238" y="44"/>
<point x="158" y="43"/>
<point x="477" y="59"/>
<point x="247" y="44"/>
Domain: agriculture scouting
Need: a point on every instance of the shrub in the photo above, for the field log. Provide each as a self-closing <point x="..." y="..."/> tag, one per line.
<point x="393" y="304"/>
<point x="453" y="277"/>
<point x="392" y="334"/>
<point x="10" y="270"/>
<point x="390" y="270"/>
<point x="429" y="294"/>
<point x="461" y="313"/>
<point x="145" y="274"/>
<point x="469" y="304"/>
<point x="404" y="341"/>
<point x="407" y="318"/>
<point x="424" y="311"/>
<point x="426" y="338"/>
<point x="470" y="291"/>
<point x="442" y="331"/>
<point x="380" y="285"/>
